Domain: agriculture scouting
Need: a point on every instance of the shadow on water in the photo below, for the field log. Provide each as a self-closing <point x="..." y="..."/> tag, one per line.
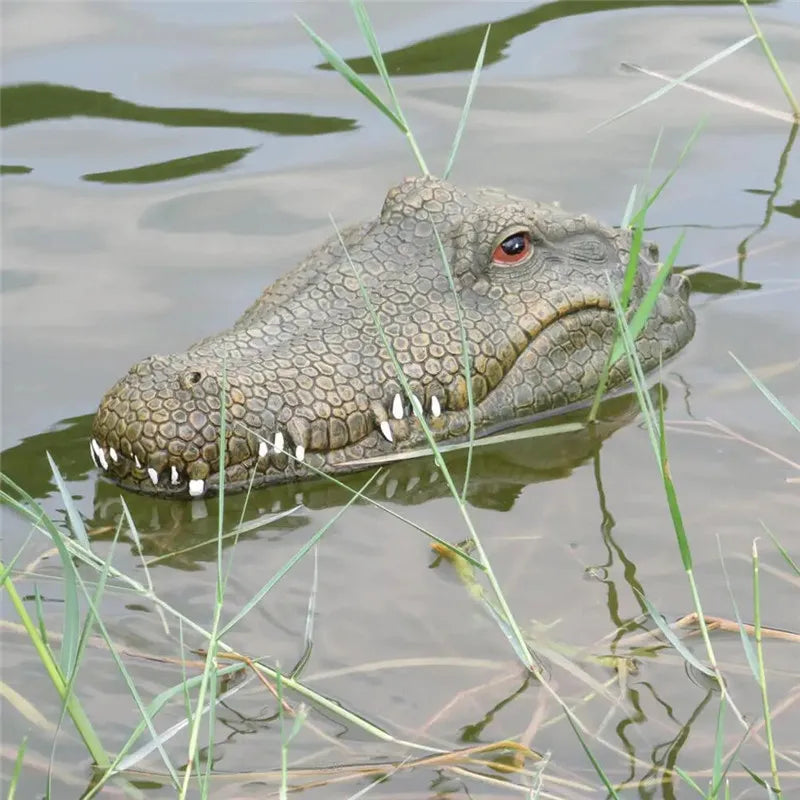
<point x="499" y="474"/>
<point x="456" y="51"/>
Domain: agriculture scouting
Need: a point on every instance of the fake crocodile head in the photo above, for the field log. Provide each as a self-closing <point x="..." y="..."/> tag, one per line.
<point x="310" y="384"/>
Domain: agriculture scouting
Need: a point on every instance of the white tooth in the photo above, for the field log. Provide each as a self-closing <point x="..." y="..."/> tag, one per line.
<point x="93" y="454"/>
<point x="153" y="475"/>
<point x="299" y="452"/>
<point x="113" y="453"/>
<point x="262" y="449"/>
<point x="173" y="475"/>
<point x="436" y="409"/>
<point x="397" y="407"/>
<point x="100" y="453"/>
<point x="278" y="442"/>
<point x="196" y="487"/>
<point x="386" y="430"/>
<point x="137" y="462"/>
<point x="412" y="483"/>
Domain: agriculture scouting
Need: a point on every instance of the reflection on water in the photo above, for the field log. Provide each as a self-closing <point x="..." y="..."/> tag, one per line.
<point x="32" y="102"/>
<point x="455" y="51"/>
<point x="498" y="474"/>
<point x="35" y="102"/>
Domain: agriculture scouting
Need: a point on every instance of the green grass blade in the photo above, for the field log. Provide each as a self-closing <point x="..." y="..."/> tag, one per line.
<point x="17" y="771"/>
<point x="747" y="645"/>
<point x="74" y="708"/>
<point x="656" y="430"/>
<point x="125" y="760"/>
<point x="689" y="780"/>
<point x="672" y="496"/>
<point x="762" y="672"/>
<point x="530" y="662"/>
<point x="294" y="559"/>
<point x="656" y="193"/>
<point x="725" y="769"/>
<point x="465" y="359"/>
<point x="627" y="215"/>
<point x="686" y="654"/>
<point x="595" y="763"/>
<point x="485" y="441"/>
<point x="717" y="773"/>
<point x="379" y="462"/>
<point x="786" y="557"/>
<point x="637" y="377"/>
<point x="633" y="263"/>
<point x="72" y="624"/>
<point x="308" y="636"/>
<point x="6" y="571"/>
<point x="716" y="58"/>
<point x="645" y="308"/>
<point x="83" y="637"/>
<point x="368" y="32"/>
<point x="632" y="268"/>
<point x="761" y="782"/>
<point x="39" y="606"/>
<point x="773" y="62"/>
<point x="759" y="384"/>
<point x="352" y="77"/>
<point x="473" y="84"/>
<point x="75" y="520"/>
<point x="243" y="527"/>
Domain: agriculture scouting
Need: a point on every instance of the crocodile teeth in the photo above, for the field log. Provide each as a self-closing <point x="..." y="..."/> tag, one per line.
<point x="436" y="408"/>
<point x="278" y="442"/>
<point x="137" y="462"/>
<point x="299" y="452"/>
<point x="397" y="406"/>
<point x="100" y="453"/>
<point x="153" y="475"/>
<point x="197" y="487"/>
<point x="173" y="475"/>
<point x="262" y="449"/>
<point x="92" y="454"/>
<point x="113" y="453"/>
<point x="386" y="430"/>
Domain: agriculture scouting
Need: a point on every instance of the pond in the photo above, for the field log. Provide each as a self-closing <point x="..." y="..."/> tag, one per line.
<point x="164" y="162"/>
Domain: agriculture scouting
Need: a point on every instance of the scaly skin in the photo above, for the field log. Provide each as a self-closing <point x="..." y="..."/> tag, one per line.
<point x="310" y="383"/>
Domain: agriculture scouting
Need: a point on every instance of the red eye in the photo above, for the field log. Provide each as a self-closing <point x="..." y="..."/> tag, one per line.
<point x="513" y="249"/>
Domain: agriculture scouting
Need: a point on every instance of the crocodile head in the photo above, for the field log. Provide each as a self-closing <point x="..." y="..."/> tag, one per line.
<point x="309" y="384"/>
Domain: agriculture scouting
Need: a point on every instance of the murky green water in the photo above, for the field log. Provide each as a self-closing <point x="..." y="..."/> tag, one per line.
<point x="164" y="162"/>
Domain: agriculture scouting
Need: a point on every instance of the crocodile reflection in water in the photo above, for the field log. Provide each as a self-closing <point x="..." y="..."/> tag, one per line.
<point x="499" y="474"/>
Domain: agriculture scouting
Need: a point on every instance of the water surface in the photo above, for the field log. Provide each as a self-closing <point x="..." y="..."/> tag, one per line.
<point x="164" y="162"/>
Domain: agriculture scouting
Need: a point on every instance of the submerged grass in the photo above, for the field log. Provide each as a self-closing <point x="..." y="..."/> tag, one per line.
<point x="204" y="692"/>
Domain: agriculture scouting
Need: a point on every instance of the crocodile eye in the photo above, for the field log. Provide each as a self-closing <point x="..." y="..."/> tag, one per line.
<point x="513" y="249"/>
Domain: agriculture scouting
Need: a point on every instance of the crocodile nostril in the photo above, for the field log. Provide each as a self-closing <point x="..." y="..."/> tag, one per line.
<point x="190" y="378"/>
